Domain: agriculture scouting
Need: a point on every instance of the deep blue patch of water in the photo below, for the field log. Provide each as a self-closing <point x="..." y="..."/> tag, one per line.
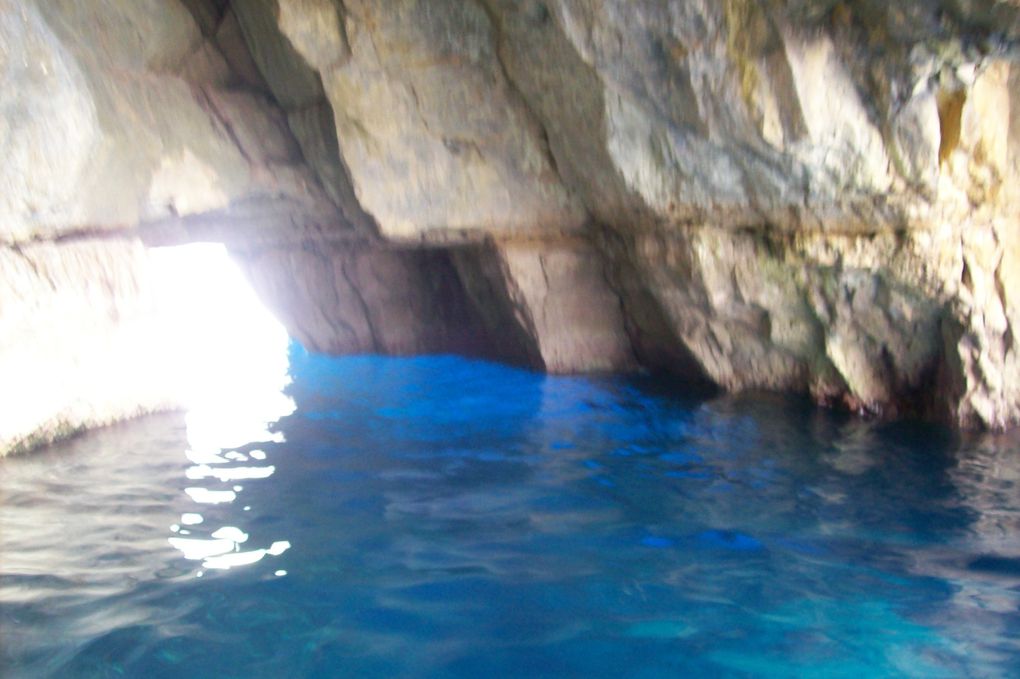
<point x="455" y="518"/>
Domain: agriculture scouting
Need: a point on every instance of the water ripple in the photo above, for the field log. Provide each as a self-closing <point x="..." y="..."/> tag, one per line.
<point x="445" y="517"/>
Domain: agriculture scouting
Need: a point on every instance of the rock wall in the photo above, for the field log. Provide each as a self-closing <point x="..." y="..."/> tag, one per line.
<point x="352" y="298"/>
<point x="556" y="294"/>
<point x="82" y="343"/>
<point x="117" y="114"/>
<point x="118" y="118"/>
<point x="809" y="195"/>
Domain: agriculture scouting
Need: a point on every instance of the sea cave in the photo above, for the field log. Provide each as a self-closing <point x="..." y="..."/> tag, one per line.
<point x="523" y="338"/>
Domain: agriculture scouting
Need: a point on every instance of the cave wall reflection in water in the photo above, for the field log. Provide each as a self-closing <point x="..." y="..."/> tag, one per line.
<point x="449" y="517"/>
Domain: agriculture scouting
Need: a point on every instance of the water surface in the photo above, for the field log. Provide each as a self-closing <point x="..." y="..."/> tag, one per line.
<point x="444" y="517"/>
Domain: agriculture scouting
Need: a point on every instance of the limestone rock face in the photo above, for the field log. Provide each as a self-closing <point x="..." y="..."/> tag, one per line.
<point x="809" y="195"/>
<point x="434" y="134"/>
<point x="121" y="113"/>
<point x="806" y="195"/>
<point x="557" y="295"/>
<point x="362" y="298"/>
<point x="81" y="341"/>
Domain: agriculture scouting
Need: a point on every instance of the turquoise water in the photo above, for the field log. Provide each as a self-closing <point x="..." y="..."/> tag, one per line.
<point x="442" y="517"/>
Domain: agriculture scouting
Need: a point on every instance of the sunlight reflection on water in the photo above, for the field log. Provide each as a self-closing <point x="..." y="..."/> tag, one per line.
<point x="233" y="360"/>
<point x="461" y="518"/>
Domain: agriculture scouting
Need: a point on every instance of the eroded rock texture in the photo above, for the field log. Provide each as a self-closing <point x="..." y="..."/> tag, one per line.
<point x="816" y="196"/>
<point x="809" y="195"/>
<point x="121" y="113"/>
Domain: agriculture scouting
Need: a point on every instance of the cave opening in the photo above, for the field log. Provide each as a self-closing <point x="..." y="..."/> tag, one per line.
<point x="426" y="338"/>
<point x="227" y="349"/>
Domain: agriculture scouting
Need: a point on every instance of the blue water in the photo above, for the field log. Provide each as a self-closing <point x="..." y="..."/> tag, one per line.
<point x="455" y="518"/>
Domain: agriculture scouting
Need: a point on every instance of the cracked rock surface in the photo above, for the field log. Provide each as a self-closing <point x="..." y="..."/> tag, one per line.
<point x="797" y="195"/>
<point x="808" y="195"/>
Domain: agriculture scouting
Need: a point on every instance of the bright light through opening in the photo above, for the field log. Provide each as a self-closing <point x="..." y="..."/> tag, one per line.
<point x="231" y="353"/>
<point x="230" y="356"/>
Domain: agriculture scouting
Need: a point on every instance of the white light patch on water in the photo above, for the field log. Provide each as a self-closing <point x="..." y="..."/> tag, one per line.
<point x="278" y="548"/>
<point x="211" y="497"/>
<point x="280" y="573"/>
<point x="221" y="551"/>
<point x="235" y="559"/>
<point x="231" y="533"/>
<point x="224" y="474"/>
<point x="231" y="357"/>
<point x="198" y="548"/>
